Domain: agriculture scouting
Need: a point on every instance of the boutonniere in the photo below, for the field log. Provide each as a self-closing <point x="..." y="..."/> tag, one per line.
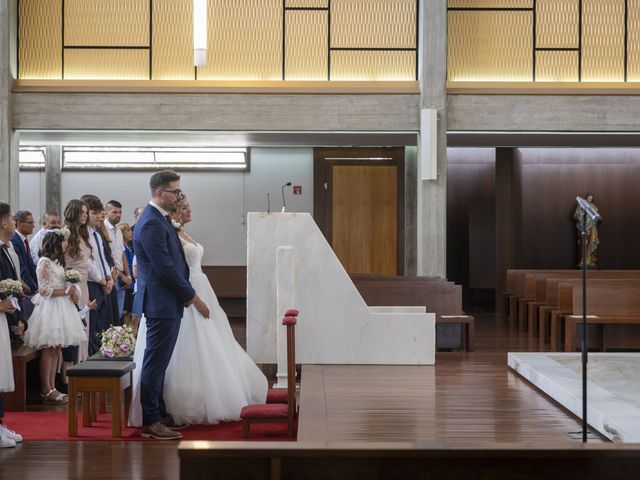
<point x="176" y="225"/>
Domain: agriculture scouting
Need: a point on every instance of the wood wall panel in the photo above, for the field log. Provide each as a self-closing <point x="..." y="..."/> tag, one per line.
<point x="470" y="190"/>
<point x="551" y="180"/>
<point x="306" y="45"/>
<point x="536" y="190"/>
<point x="40" y="33"/>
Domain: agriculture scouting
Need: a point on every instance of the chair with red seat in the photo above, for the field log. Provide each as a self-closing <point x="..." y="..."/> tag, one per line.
<point x="278" y="412"/>
<point x="280" y="395"/>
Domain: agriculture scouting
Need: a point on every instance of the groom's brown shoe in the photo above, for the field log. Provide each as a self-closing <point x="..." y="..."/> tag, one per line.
<point x="171" y="423"/>
<point x="159" y="431"/>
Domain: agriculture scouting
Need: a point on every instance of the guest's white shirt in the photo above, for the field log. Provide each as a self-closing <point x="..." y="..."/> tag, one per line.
<point x="117" y="243"/>
<point x="35" y="244"/>
<point x="15" y="261"/>
<point x="96" y="270"/>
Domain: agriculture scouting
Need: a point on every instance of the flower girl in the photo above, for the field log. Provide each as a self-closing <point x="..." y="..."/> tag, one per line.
<point x="55" y="321"/>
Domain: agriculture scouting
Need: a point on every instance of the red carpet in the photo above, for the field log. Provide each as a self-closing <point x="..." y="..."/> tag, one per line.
<point x="54" y="426"/>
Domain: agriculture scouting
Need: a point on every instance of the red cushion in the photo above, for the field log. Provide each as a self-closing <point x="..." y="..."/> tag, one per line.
<point x="277" y="395"/>
<point x="289" y="320"/>
<point x="259" y="411"/>
<point x="291" y="313"/>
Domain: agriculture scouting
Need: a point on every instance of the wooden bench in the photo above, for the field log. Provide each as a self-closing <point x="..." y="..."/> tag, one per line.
<point x="605" y="298"/>
<point x="572" y="321"/>
<point x="438" y="295"/>
<point x="91" y="377"/>
<point x="527" y="295"/>
<point x="230" y="285"/>
<point x="21" y="355"/>
<point x="608" y="303"/>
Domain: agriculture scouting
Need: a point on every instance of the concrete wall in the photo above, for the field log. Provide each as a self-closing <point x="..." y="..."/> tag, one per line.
<point x="544" y="113"/>
<point x="216" y="112"/>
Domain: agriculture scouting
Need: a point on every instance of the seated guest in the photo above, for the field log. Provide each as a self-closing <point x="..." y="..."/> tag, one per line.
<point x="49" y="220"/>
<point x="24" y="227"/>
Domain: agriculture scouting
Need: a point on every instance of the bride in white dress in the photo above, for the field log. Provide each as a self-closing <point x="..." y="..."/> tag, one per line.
<point x="210" y="376"/>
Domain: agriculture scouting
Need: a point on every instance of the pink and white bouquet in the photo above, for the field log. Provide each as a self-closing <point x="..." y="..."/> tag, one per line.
<point x="118" y="342"/>
<point x="11" y="289"/>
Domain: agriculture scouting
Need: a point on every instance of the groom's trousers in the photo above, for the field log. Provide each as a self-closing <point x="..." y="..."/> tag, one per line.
<point x="162" y="334"/>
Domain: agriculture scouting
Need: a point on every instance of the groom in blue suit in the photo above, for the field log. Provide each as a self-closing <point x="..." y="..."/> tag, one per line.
<point x="164" y="289"/>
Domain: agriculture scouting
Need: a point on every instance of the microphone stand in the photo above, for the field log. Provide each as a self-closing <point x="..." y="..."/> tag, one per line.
<point x="586" y="210"/>
<point x="584" y="347"/>
<point x="288" y="184"/>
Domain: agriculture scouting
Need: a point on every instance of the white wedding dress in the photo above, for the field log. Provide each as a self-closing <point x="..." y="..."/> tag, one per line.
<point x="210" y="376"/>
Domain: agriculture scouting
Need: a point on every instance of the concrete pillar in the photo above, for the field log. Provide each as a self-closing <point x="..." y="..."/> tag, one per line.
<point x="432" y="194"/>
<point x="9" y="172"/>
<point x="53" y="179"/>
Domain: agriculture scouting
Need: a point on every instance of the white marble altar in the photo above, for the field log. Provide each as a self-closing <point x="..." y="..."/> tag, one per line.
<point x="613" y="387"/>
<point x="335" y="325"/>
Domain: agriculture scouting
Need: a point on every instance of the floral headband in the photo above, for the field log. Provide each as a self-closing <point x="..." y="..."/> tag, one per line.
<point x="62" y="231"/>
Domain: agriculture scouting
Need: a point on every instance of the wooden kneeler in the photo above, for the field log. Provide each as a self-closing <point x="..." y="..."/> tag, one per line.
<point x="278" y="412"/>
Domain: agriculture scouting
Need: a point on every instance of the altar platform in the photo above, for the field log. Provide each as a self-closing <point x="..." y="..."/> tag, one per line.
<point x="469" y="416"/>
<point x="613" y="388"/>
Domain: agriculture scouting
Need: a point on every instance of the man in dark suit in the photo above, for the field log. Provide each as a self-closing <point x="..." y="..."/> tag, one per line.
<point x="8" y="269"/>
<point x="24" y="228"/>
<point x="164" y="289"/>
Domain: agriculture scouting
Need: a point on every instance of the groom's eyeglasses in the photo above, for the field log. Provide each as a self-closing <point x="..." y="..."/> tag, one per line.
<point x="177" y="192"/>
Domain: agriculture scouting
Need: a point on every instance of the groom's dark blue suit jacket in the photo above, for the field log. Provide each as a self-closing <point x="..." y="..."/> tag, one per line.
<point x="163" y="274"/>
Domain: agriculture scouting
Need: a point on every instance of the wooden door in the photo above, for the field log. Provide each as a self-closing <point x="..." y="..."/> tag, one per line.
<point x="359" y="205"/>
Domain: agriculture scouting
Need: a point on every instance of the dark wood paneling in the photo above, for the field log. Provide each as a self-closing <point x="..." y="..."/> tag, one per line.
<point x="227" y="281"/>
<point x="551" y="180"/>
<point x="470" y="186"/>
<point x="230" y="285"/>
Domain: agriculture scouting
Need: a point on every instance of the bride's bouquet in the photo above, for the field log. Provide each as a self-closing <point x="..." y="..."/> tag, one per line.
<point x="118" y="342"/>
<point x="11" y="289"/>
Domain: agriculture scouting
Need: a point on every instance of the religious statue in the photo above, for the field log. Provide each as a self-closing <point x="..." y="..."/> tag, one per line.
<point x="584" y="222"/>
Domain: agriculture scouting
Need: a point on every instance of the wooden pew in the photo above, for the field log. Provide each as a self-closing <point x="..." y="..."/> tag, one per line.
<point x="608" y="298"/>
<point x="21" y="355"/>
<point x="607" y="304"/>
<point x="230" y="285"/>
<point x="526" y="292"/>
<point x="550" y="303"/>
<point x="516" y="291"/>
<point x="440" y="296"/>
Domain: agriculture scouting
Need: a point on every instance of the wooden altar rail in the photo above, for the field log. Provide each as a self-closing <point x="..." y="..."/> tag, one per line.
<point x="355" y="461"/>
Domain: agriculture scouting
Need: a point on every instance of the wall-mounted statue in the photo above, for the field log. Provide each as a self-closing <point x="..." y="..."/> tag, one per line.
<point x="591" y="238"/>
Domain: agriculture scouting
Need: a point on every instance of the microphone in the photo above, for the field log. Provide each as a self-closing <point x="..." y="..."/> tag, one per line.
<point x="268" y="203"/>
<point x="288" y="184"/>
<point x="589" y="210"/>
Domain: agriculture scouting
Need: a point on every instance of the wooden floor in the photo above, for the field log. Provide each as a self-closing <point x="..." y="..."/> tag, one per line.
<point x="466" y="399"/>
